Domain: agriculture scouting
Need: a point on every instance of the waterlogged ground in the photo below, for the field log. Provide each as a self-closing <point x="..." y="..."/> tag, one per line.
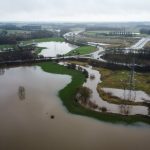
<point x="114" y="108"/>
<point x="52" y="49"/>
<point x="137" y="96"/>
<point x="28" y="97"/>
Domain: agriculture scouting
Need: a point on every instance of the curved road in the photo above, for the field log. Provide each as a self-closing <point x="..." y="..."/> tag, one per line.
<point x="97" y="55"/>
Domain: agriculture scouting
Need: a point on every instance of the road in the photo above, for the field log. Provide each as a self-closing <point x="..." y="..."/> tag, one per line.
<point x="101" y="51"/>
<point x="72" y="34"/>
<point x="140" y="44"/>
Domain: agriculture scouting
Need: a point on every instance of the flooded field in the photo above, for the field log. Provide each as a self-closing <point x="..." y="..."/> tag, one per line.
<point x="29" y="99"/>
<point x="114" y="108"/>
<point x="52" y="49"/>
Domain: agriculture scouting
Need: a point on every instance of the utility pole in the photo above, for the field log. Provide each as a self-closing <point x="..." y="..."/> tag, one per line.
<point x="132" y="92"/>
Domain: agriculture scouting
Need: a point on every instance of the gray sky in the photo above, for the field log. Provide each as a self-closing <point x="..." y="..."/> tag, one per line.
<point x="75" y="10"/>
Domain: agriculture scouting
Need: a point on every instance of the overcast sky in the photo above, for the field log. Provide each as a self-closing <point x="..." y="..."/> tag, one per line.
<point x="75" y="10"/>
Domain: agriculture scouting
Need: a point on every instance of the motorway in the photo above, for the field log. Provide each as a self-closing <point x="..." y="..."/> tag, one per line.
<point x="140" y="44"/>
<point x="97" y="55"/>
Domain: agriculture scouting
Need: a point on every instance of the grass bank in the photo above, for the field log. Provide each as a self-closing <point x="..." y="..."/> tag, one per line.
<point x="82" y="50"/>
<point x="67" y="96"/>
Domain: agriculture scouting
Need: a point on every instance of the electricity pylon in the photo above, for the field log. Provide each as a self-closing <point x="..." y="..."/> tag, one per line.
<point x="131" y="82"/>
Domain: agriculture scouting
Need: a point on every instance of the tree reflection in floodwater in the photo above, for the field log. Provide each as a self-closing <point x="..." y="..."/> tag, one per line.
<point x="21" y="93"/>
<point x="2" y="71"/>
<point x="34" y="67"/>
<point x="125" y="109"/>
<point x="149" y="110"/>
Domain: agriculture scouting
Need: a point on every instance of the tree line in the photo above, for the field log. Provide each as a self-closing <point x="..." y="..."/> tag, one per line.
<point x="142" y="57"/>
<point x="145" y="31"/>
<point x="6" y="38"/>
<point x="20" y="53"/>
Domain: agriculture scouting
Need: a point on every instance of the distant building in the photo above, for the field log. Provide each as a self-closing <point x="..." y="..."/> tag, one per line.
<point x="122" y="32"/>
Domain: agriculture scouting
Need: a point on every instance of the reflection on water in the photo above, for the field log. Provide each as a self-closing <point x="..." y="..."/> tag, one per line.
<point x="21" y="93"/>
<point x="28" y="125"/>
<point x="125" y="109"/>
<point x="2" y="71"/>
<point x="34" y="67"/>
<point x="149" y="111"/>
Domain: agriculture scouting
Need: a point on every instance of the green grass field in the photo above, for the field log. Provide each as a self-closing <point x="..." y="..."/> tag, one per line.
<point x="114" y="79"/>
<point x="82" y="50"/>
<point x="68" y="93"/>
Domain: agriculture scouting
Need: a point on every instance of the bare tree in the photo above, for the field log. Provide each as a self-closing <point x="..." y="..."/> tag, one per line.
<point x="84" y="93"/>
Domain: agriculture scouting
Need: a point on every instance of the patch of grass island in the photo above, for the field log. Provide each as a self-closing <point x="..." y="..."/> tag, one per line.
<point x="83" y="50"/>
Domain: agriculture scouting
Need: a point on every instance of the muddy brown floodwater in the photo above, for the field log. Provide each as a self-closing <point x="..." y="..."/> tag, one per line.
<point x="28" y="99"/>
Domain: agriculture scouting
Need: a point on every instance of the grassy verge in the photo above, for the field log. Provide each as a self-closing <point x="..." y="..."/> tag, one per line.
<point x="67" y="96"/>
<point x="82" y="50"/>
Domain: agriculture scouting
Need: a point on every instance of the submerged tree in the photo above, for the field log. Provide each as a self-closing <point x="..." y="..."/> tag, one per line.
<point x="21" y="93"/>
<point x="2" y="71"/>
<point x="83" y="94"/>
<point x="125" y="109"/>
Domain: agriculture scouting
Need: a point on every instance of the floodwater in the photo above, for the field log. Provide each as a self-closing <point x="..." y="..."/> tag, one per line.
<point x="137" y="96"/>
<point x="114" y="108"/>
<point x="28" y="98"/>
<point x="52" y="49"/>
